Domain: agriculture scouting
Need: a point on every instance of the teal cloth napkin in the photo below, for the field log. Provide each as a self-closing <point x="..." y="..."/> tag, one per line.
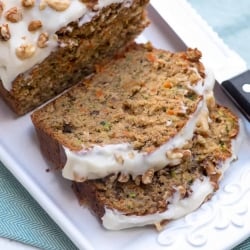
<point x="243" y="246"/>
<point x="22" y="219"/>
<point x="231" y="20"/>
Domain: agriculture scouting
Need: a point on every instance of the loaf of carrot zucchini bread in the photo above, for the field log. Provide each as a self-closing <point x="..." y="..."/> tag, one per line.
<point x="129" y="118"/>
<point x="142" y="139"/>
<point x="47" y="46"/>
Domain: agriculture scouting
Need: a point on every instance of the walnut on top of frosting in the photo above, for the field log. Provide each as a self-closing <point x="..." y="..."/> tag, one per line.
<point x="42" y="5"/>
<point x="28" y="3"/>
<point x="4" y="32"/>
<point x="42" y="40"/>
<point x="1" y="7"/>
<point x="58" y="5"/>
<point x="14" y="15"/>
<point x="34" y="25"/>
<point x="147" y="177"/>
<point x="25" y="51"/>
<point x="123" y="178"/>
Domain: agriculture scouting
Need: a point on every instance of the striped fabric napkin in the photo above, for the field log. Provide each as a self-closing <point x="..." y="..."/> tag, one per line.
<point x="22" y="219"/>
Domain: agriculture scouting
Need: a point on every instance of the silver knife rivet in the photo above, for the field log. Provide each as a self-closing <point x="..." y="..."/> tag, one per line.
<point x="246" y="87"/>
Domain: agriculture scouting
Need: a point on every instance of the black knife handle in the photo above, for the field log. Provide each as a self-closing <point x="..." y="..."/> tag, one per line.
<point x="238" y="88"/>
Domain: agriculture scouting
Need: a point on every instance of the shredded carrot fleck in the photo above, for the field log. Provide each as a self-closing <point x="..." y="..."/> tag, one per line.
<point x="153" y="90"/>
<point x="99" y="68"/>
<point x="170" y="112"/>
<point x="83" y="110"/>
<point x="99" y="93"/>
<point x="151" y="57"/>
<point x="127" y="134"/>
<point x="168" y="85"/>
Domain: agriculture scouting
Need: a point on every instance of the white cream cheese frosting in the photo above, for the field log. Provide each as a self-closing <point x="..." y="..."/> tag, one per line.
<point x="177" y="208"/>
<point x="100" y="161"/>
<point x="15" y="34"/>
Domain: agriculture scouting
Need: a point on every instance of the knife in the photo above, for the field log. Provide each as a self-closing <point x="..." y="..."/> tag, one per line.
<point x="229" y="69"/>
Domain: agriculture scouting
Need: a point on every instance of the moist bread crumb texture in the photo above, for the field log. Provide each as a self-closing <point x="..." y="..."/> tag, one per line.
<point x="78" y="46"/>
<point x="144" y="97"/>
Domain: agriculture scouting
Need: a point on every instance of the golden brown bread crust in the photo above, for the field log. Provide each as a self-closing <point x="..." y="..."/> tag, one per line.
<point x="87" y="195"/>
<point x="51" y="149"/>
<point x="90" y="44"/>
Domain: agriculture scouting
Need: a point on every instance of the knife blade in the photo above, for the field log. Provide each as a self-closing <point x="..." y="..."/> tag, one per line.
<point x="229" y="69"/>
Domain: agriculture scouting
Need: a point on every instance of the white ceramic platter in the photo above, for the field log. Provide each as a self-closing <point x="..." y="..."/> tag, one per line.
<point x="221" y="223"/>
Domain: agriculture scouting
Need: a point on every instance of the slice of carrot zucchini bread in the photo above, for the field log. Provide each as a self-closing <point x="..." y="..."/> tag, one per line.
<point x="47" y="46"/>
<point x="171" y="192"/>
<point x="129" y="118"/>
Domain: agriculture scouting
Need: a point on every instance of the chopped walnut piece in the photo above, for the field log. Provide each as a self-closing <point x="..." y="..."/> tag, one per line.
<point x="148" y="176"/>
<point x="28" y="3"/>
<point x="213" y="173"/>
<point x="113" y="177"/>
<point x="42" y="5"/>
<point x="193" y="55"/>
<point x="1" y="7"/>
<point x="131" y="155"/>
<point x="201" y="140"/>
<point x="166" y="195"/>
<point x="202" y="125"/>
<point x="55" y="37"/>
<point x="14" y="15"/>
<point x="58" y="5"/>
<point x="25" y="51"/>
<point x="186" y="154"/>
<point x="174" y="154"/>
<point x="137" y="180"/>
<point x="4" y="32"/>
<point x="182" y="191"/>
<point x="119" y="159"/>
<point x="210" y="168"/>
<point x="215" y="186"/>
<point x="160" y="225"/>
<point x="78" y="178"/>
<point x="194" y="77"/>
<point x="42" y="40"/>
<point x="34" y="25"/>
<point x="210" y="101"/>
<point x="123" y="178"/>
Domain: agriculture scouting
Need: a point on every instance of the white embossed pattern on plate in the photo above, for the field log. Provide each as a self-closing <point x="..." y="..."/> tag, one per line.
<point x="228" y="208"/>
